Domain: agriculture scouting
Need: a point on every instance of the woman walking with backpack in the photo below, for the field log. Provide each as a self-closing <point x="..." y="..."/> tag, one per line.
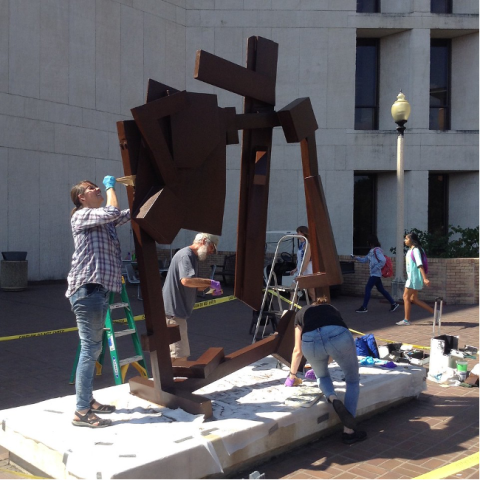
<point x="376" y="260"/>
<point x="417" y="276"/>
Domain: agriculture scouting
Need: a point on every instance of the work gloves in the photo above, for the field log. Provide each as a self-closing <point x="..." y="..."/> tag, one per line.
<point x="109" y="182"/>
<point x="217" y="288"/>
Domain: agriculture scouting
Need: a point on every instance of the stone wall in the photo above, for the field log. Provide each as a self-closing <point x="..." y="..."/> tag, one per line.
<point x="454" y="279"/>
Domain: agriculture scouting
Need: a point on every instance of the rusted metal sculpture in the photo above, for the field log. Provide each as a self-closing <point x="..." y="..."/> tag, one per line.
<point x="176" y="148"/>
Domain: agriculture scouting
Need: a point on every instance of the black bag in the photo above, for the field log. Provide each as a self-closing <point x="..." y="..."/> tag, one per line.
<point x="284" y="266"/>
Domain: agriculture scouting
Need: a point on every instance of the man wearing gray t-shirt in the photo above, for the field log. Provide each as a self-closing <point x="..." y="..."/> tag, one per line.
<point x="181" y="285"/>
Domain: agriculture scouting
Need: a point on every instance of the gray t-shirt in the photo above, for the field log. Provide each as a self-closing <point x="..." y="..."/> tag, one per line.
<point x="180" y="300"/>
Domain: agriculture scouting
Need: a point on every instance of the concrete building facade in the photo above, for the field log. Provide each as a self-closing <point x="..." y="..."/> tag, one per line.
<point x="69" y="69"/>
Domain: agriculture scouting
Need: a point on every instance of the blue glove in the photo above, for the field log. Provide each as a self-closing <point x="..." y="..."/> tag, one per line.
<point x="109" y="182"/>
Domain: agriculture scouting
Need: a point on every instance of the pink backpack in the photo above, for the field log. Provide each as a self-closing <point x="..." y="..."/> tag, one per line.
<point x="387" y="269"/>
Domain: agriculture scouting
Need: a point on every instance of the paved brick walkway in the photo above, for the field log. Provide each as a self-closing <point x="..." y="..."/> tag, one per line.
<point x="439" y="428"/>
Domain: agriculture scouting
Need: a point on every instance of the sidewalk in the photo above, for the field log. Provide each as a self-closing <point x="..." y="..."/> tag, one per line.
<point x="439" y="428"/>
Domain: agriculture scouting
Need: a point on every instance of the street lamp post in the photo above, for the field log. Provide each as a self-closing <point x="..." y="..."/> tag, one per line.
<point x="400" y="114"/>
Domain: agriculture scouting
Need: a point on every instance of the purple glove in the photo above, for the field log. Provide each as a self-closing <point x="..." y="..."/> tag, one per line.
<point x="390" y="365"/>
<point x="216" y="287"/>
<point x="292" y="382"/>
<point x="310" y="375"/>
<point x="289" y="381"/>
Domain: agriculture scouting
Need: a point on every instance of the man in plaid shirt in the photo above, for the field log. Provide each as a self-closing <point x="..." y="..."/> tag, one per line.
<point x="96" y="271"/>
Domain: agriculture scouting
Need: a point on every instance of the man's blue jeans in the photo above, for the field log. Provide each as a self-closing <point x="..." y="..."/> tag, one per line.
<point x="90" y="304"/>
<point x="375" y="282"/>
<point x="337" y="342"/>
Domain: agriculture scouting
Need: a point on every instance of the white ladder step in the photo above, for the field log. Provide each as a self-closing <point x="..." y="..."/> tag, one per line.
<point x="113" y="306"/>
<point x="127" y="361"/>
<point x="122" y="333"/>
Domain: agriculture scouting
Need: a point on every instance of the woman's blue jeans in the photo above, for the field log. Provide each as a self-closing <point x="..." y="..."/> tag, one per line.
<point x="90" y="304"/>
<point x="337" y="342"/>
<point x="375" y="282"/>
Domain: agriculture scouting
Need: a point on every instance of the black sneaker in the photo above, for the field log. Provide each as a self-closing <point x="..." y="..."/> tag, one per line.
<point x="394" y="307"/>
<point x="356" y="436"/>
<point x="362" y="310"/>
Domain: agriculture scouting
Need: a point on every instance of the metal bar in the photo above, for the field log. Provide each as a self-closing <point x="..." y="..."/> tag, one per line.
<point x="232" y="77"/>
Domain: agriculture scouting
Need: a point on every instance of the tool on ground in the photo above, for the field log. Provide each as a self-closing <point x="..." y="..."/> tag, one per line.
<point x="443" y="349"/>
<point x="120" y="366"/>
<point x="437" y="315"/>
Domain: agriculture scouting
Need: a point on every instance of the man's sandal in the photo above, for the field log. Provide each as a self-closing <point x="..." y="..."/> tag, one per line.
<point x="101" y="408"/>
<point x="89" y="419"/>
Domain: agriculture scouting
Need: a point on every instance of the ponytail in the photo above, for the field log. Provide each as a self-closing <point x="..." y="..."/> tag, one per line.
<point x="77" y="190"/>
<point x="320" y="300"/>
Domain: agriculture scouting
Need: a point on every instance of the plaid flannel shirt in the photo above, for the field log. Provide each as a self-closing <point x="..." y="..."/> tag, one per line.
<point x="97" y="256"/>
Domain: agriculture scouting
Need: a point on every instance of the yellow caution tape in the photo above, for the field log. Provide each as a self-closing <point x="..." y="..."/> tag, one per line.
<point x="353" y="331"/>
<point x="216" y="301"/>
<point x="207" y="303"/>
<point x="453" y="468"/>
<point x="137" y="318"/>
<point x="38" y="334"/>
<point x="283" y="298"/>
<point x="421" y="347"/>
<point x="19" y="474"/>
<point x="392" y="341"/>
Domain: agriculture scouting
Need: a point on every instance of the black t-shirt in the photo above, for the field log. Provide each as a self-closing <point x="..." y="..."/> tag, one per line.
<point x="316" y="316"/>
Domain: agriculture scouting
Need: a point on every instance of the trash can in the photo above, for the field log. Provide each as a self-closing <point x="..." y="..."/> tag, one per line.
<point x="14" y="271"/>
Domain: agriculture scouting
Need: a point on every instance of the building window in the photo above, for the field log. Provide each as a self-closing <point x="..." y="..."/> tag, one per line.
<point x="368" y="6"/>
<point x="438" y="203"/>
<point x="364" y="211"/>
<point x="440" y="62"/>
<point x="366" y="84"/>
<point x="440" y="6"/>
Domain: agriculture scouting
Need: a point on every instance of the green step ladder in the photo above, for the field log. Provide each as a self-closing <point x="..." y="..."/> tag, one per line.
<point x="109" y="342"/>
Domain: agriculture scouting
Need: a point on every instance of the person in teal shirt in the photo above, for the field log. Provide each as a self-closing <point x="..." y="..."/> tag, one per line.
<point x="416" y="277"/>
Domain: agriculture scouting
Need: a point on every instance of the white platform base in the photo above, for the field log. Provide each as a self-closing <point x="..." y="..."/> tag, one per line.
<point x="252" y="421"/>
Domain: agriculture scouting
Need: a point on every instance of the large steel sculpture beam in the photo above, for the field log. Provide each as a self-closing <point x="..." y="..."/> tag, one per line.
<point x="176" y="149"/>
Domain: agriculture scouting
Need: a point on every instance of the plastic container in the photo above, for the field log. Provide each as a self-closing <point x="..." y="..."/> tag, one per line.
<point x="462" y="370"/>
<point x="462" y="366"/>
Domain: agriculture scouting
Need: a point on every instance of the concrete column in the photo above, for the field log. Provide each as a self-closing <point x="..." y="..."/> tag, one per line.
<point x="464" y="108"/>
<point x="463" y="199"/>
<point x="386" y="207"/>
<point x="416" y="196"/>
<point x="469" y="7"/>
<point x="394" y="6"/>
<point x="405" y="65"/>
